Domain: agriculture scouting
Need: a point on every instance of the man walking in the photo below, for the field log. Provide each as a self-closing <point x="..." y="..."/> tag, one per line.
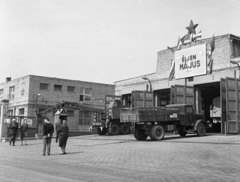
<point x="23" y="131"/>
<point x="48" y="130"/>
<point x="14" y="129"/>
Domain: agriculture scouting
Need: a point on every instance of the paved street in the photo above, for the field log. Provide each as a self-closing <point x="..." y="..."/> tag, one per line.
<point x="214" y="158"/>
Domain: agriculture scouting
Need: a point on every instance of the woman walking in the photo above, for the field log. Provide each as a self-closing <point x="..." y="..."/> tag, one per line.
<point x="63" y="136"/>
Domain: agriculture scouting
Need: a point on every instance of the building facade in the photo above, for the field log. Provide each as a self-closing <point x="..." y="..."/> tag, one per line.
<point x="30" y="94"/>
<point x="209" y="89"/>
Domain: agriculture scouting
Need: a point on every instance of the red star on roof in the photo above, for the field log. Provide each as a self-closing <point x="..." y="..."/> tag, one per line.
<point x="191" y="27"/>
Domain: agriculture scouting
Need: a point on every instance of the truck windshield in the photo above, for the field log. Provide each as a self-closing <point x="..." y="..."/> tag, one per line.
<point x="112" y="104"/>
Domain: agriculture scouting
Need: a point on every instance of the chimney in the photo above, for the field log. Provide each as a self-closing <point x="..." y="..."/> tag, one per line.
<point x="8" y="79"/>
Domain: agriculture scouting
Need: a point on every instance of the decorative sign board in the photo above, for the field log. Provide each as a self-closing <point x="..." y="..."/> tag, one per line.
<point x="191" y="62"/>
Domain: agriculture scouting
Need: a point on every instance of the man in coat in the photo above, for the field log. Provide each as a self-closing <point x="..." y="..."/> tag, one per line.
<point x="48" y="130"/>
<point x="14" y="129"/>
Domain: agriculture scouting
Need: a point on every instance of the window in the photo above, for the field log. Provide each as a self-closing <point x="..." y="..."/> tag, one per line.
<point x="43" y="86"/>
<point x="70" y="113"/>
<point x="189" y="110"/>
<point x="236" y="48"/>
<point x="21" y="111"/>
<point x="84" y="118"/>
<point x="85" y="94"/>
<point x="1" y="94"/>
<point x="10" y="112"/>
<point x="57" y="88"/>
<point x="70" y="89"/>
<point x="11" y="93"/>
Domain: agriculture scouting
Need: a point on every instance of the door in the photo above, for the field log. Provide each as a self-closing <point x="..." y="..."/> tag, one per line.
<point x="223" y="104"/>
<point x="189" y="117"/>
<point x="232" y="104"/>
<point x="142" y="99"/>
<point x="181" y="94"/>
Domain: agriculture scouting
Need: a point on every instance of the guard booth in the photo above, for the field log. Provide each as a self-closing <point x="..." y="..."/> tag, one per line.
<point x="60" y="114"/>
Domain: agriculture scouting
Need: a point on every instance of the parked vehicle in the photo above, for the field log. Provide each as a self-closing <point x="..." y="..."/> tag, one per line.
<point x="154" y="122"/>
<point x="110" y="121"/>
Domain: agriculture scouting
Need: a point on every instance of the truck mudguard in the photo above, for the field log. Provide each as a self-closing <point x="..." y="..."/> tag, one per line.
<point x="200" y="121"/>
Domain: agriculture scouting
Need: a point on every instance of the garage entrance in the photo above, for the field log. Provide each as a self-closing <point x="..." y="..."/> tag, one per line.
<point x="209" y="104"/>
<point x="162" y="98"/>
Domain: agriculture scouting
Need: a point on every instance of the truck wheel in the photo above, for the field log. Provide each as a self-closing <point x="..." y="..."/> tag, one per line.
<point x="140" y="134"/>
<point x="99" y="132"/>
<point x="114" y="129"/>
<point x="124" y="129"/>
<point x="157" y="133"/>
<point x="182" y="133"/>
<point x="104" y="132"/>
<point x="201" y="129"/>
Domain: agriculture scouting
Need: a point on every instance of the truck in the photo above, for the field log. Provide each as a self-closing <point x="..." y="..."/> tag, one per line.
<point x="110" y="122"/>
<point x="153" y="122"/>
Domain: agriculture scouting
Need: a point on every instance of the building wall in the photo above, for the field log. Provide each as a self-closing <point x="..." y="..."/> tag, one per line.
<point x="50" y="97"/>
<point x="221" y="56"/>
<point x="20" y="94"/>
<point x="27" y="90"/>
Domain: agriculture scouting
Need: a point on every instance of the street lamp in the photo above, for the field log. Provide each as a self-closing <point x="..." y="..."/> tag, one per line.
<point x="145" y="78"/>
<point x="235" y="62"/>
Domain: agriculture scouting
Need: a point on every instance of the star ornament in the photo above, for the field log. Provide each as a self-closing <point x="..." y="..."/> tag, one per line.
<point x="191" y="27"/>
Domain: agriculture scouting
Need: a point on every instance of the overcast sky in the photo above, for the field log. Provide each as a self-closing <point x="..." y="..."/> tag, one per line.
<point x="101" y="40"/>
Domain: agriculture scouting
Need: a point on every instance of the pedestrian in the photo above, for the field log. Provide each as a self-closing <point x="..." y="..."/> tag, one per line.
<point x="58" y="124"/>
<point x="24" y="131"/>
<point x="48" y="130"/>
<point x="14" y="129"/>
<point x="63" y="136"/>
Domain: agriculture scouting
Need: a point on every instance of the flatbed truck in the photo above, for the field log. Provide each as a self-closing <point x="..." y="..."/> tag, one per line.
<point x="153" y="122"/>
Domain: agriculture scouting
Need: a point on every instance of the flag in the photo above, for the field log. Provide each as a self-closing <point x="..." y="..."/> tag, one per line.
<point x="185" y="37"/>
<point x="178" y="43"/>
<point x="210" y="65"/>
<point x="172" y="71"/>
<point x="199" y="35"/>
<point x="212" y="43"/>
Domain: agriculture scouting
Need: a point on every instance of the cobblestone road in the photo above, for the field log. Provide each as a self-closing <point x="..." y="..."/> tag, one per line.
<point x="122" y="158"/>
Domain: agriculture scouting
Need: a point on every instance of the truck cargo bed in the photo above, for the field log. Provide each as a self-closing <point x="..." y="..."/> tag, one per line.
<point x="149" y="114"/>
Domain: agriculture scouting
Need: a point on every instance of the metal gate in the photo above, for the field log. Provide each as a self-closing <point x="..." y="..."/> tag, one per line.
<point x="181" y="94"/>
<point x="230" y="104"/>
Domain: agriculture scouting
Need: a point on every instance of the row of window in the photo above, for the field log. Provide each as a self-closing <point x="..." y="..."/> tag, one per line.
<point x="85" y="93"/>
<point x="11" y="93"/>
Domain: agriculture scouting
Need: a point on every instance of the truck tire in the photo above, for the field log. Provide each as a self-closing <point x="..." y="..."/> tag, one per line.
<point x="99" y="132"/>
<point x="201" y="129"/>
<point x="102" y="132"/>
<point x="124" y="129"/>
<point x="182" y="133"/>
<point x="139" y="134"/>
<point x="114" y="129"/>
<point x="156" y="133"/>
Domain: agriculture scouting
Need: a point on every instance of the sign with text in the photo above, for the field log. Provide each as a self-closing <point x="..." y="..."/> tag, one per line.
<point x="190" y="62"/>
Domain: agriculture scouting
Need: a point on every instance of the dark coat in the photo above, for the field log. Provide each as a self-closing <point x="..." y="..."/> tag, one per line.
<point x="14" y="128"/>
<point x="63" y="135"/>
<point x="63" y="130"/>
<point x="48" y="129"/>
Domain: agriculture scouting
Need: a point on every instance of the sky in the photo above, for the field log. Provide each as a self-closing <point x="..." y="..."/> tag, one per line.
<point x="101" y="40"/>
